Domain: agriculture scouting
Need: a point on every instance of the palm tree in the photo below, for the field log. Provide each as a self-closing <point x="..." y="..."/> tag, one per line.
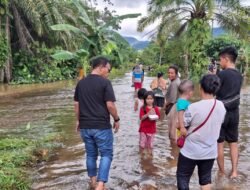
<point x="228" y="13"/>
<point x="24" y="21"/>
<point x="194" y="16"/>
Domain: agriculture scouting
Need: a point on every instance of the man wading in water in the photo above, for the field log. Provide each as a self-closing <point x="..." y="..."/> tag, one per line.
<point x="229" y="94"/>
<point x="94" y="102"/>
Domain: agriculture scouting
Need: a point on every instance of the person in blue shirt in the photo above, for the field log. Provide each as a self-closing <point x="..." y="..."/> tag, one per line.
<point x="137" y="77"/>
<point x="186" y="90"/>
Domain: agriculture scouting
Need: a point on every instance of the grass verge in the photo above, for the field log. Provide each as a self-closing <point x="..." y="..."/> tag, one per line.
<point x="17" y="155"/>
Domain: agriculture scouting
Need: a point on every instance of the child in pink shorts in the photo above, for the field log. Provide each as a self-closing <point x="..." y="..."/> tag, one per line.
<point x="149" y="113"/>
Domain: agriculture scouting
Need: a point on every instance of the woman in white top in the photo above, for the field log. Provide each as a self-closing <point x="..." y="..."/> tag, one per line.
<point x="200" y="148"/>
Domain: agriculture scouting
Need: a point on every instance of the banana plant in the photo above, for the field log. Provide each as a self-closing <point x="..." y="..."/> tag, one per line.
<point x="97" y="37"/>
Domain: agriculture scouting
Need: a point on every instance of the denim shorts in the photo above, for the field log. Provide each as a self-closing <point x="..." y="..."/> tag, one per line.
<point x="185" y="169"/>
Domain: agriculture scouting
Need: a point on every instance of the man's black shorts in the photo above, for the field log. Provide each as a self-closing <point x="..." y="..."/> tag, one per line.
<point x="229" y="130"/>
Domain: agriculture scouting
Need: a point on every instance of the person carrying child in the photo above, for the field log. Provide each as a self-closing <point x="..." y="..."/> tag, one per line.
<point x="186" y="90"/>
<point x="149" y="113"/>
<point x="203" y="120"/>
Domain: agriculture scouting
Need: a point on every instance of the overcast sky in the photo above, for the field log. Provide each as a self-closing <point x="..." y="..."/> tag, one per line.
<point x="129" y="26"/>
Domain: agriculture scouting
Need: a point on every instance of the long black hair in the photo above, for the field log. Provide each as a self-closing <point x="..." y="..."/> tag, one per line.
<point x="148" y="93"/>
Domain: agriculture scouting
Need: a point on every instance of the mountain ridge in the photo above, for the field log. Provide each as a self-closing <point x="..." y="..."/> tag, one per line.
<point x="140" y="45"/>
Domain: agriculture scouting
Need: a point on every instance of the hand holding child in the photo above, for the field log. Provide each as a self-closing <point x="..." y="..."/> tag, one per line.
<point x="183" y="131"/>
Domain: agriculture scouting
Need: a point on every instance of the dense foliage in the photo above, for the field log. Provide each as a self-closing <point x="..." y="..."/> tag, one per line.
<point x="41" y="67"/>
<point x="189" y="22"/>
<point x="72" y="31"/>
<point x="214" y="46"/>
<point x="98" y="37"/>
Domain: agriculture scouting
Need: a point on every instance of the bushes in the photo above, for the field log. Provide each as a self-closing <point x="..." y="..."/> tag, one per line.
<point x="215" y="45"/>
<point x="18" y="153"/>
<point x="40" y="67"/>
<point x="158" y="68"/>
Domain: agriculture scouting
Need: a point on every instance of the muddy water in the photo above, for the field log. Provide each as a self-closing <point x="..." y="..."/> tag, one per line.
<point x="50" y="108"/>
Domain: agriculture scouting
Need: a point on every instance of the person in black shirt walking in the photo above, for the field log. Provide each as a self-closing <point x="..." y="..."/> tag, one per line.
<point x="94" y="102"/>
<point x="229" y="94"/>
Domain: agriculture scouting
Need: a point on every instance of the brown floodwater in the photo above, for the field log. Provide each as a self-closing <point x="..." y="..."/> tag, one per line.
<point x="49" y="108"/>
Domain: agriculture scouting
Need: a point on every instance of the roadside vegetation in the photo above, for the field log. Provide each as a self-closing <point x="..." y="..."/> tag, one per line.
<point x="18" y="155"/>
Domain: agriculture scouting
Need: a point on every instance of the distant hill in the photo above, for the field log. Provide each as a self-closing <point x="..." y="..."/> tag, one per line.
<point x="137" y="44"/>
<point x="218" y="32"/>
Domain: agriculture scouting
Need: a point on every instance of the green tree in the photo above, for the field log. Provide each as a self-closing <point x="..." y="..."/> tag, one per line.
<point x="193" y="17"/>
<point x="215" y="45"/>
<point x="97" y="36"/>
<point x="24" y="22"/>
<point x="149" y="56"/>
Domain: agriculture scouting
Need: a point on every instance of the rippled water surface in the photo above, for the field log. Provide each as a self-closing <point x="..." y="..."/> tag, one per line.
<point x="50" y="108"/>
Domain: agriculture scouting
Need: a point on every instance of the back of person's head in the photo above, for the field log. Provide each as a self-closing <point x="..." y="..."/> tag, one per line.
<point x="99" y="61"/>
<point x="141" y="93"/>
<point x="160" y="74"/>
<point x="175" y="68"/>
<point x="229" y="52"/>
<point x="186" y="86"/>
<point x="210" y="83"/>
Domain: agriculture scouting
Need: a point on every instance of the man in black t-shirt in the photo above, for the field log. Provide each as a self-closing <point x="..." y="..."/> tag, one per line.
<point x="229" y="94"/>
<point x="94" y="102"/>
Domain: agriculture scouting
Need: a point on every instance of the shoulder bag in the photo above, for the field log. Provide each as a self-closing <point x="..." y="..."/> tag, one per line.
<point x="181" y="139"/>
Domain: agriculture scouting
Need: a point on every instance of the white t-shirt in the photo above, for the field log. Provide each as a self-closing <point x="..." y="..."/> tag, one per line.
<point x="202" y="144"/>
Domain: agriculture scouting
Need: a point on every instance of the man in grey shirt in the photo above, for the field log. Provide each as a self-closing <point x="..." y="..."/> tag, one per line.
<point x="172" y="92"/>
<point x="171" y="98"/>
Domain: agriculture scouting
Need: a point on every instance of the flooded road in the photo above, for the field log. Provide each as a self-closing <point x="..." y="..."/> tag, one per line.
<point x="50" y="108"/>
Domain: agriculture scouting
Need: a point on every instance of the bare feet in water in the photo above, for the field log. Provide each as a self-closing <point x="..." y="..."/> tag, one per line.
<point x="92" y="183"/>
<point x="234" y="175"/>
<point x="100" y="186"/>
